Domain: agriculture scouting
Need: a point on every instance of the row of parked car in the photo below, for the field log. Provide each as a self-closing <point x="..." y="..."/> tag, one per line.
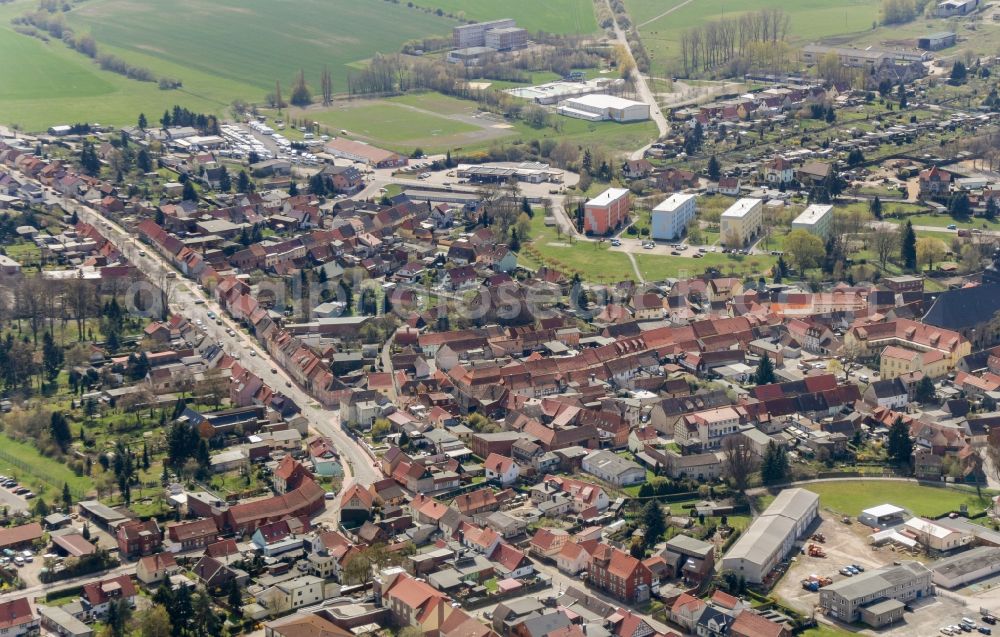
<point x="18" y="558"/>
<point x="12" y="485"/>
<point x="967" y="625"/>
<point x="852" y="569"/>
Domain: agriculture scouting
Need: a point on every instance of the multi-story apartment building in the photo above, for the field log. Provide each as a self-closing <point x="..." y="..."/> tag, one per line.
<point x="741" y="222"/>
<point x="670" y="217"/>
<point x="607" y="211"/>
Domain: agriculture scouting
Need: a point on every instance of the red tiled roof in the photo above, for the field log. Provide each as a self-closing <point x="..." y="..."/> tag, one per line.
<point x="15" y="612"/>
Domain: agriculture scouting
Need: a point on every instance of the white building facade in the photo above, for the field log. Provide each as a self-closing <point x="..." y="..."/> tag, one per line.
<point x="670" y="218"/>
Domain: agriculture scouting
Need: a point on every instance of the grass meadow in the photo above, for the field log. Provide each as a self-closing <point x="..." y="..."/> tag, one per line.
<point x="809" y="20"/>
<point x="552" y="16"/>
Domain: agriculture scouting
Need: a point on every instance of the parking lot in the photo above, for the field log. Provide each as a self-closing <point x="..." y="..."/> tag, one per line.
<point x="847" y="544"/>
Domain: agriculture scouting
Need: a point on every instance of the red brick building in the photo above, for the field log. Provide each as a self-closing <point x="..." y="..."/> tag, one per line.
<point x="619" y="575"/>
<point x="194" y="534"/>
<point x="137" y="538"/>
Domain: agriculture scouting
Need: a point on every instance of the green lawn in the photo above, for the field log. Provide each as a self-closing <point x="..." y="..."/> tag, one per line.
<point x="823" y="630"/>
<point x="943" y="221"/>
<point x="553" y="16"/>
<point x="24" y="463"/>
<point x="809" y="20"/>
<point x="656" y="267"/>
<point x="850" y="497"/>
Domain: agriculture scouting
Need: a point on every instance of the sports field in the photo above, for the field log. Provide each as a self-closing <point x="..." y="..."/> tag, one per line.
<point x="552" y="16"/>
<point x="809" y="20"/>
<point x="393" y="124"/>
<point x="850" y="497"/>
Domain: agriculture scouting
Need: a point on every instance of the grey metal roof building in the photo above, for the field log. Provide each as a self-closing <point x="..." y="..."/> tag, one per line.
<point x="848" y="599"/>
<point x="772" y="535"/>
<point x="967" y="567"/>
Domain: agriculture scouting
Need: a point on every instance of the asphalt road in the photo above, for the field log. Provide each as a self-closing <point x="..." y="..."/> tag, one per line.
<point x="183" y="296"/>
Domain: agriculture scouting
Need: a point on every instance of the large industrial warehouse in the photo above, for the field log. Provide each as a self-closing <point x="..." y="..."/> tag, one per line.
<point x="772" y="535"/>
<point x="596" y="108"/>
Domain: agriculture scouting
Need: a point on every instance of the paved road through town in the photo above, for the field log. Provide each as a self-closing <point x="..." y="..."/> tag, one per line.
<point x="187" y="298"/>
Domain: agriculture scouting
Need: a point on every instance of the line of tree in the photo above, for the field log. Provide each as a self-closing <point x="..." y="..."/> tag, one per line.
<point x="181" y="116"/>
<point x="718" y="41"/>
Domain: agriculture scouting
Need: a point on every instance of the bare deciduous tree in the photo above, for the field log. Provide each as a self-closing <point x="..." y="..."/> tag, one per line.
<point x="739" y="462"/>
<point x="885" y="240"/>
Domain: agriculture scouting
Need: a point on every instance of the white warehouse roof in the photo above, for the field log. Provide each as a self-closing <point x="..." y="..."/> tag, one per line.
<point x="598" y="100"/>
<point x="883" y="510"/>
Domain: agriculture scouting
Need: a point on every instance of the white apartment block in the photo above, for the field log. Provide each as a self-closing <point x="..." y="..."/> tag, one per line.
<point x="817" y="219"/>
<point x="671" y="217"/>
<point x="742" y="222"/>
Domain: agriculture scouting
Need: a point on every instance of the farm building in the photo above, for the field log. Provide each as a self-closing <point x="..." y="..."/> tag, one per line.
<point x="950" y="8"/>
<point x="596" y="108"/>
<point x="937" y="41"/>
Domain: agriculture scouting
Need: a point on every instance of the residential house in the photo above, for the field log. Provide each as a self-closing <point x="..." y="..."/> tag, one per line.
<point x="153" y="569"/>
<point x="619" y="575"/>
<point x="501" y="469"/>
<point x="17" y="618"/>
<point x="98" y="596"/>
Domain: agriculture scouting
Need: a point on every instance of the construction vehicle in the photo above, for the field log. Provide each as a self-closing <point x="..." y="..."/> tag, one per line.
<point x="816" y="551"/>
<point x="814" y="582"/>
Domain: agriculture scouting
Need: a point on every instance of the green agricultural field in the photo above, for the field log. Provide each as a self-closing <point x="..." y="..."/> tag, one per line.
<point x="262" y="41"/>
<point x="51" y="84"/>
<point x="553" y="16"/>
<point x="850" y="497"/>
<point x="810" y="20"/>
